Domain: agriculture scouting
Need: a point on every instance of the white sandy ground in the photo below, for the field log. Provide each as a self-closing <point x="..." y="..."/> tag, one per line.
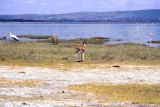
<point x="55" y="94"/>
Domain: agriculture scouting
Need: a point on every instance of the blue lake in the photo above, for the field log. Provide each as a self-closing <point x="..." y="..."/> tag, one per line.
<point x="127" y="32"/>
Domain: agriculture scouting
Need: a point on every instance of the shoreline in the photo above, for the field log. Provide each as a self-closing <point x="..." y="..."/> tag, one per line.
<point x="111" y="41"/>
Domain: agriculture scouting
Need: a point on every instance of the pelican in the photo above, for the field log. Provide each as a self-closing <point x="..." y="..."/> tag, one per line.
<point x="14" y="37"/>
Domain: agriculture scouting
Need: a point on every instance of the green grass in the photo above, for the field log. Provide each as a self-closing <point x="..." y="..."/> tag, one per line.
<point x="39" y="53"/>
<point x="142" y="93"/>
<point x="34" y="36"/>
<point x="35" y="52"/>
<point x="155" y="41"/>
<point x="2" y="38"/>
<point x="92" y="40"/>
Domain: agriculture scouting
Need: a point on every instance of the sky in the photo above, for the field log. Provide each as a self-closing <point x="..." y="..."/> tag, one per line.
<point x="11" y="7"/>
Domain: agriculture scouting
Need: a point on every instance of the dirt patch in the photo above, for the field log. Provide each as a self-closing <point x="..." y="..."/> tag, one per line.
<point x="37" y="86"/>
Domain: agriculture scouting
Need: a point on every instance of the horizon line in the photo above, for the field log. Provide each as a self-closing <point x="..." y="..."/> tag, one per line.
<point x="78" y="12"/>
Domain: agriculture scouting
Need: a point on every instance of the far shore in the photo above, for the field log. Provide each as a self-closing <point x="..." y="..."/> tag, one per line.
<point x="34" y="22"/>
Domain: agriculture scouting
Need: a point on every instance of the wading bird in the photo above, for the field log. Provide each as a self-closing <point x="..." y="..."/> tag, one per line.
<point x="150" y="35"/>
<point x="14" y="37"/>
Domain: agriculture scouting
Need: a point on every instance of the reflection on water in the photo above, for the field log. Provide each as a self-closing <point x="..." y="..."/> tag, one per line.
<point x="127" y="32"/>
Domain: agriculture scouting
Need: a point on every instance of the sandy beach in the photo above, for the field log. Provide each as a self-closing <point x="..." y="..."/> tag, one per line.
<point x="47" y="87"/>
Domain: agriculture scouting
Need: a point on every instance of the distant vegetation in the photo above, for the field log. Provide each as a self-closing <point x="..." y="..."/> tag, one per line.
<point x="34" y="36"/>
<point x="2" y="38"/>
<point x="155" y="41"/>
<point x="113" y="16"/>
<point x="91" y="40"/>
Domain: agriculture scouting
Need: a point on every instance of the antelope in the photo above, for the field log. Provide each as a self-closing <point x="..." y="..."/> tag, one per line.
<point x="79" y="50"/>
<point x="54" y="39"/>
<point x="84" y="42"/>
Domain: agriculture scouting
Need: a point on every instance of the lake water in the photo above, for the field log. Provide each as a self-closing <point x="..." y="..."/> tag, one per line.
<point x="127" y="32"/>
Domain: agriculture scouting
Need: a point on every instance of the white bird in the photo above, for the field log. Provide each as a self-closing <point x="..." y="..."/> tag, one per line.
<point x="150" y="35"/>
<point x="14" y="37"/>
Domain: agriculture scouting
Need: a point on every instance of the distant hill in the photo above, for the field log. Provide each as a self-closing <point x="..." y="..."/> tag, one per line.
<point x="113" y="16"/>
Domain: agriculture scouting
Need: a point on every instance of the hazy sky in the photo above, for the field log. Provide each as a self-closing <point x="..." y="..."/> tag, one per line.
<point x="67" y="6"/>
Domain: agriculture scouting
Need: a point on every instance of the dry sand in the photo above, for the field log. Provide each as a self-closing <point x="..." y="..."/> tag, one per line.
<point x="49" y="89"/>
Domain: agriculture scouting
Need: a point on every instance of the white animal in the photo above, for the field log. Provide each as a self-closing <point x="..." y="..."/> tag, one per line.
<point x="14" y="37"/>
<point x="150" y="35"/>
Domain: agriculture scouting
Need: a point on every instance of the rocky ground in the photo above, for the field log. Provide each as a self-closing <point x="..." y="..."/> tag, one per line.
<point x="47" y="87"/>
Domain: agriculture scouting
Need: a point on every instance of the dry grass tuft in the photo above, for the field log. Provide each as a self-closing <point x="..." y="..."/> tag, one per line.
<point x="21" y="83"/>
<point x="135" y="93"/>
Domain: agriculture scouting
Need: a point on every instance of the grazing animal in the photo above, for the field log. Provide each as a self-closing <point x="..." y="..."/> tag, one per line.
<point x="14" y="37"/>
<point x="84" y="42"/>
<point x="54" y="39"/>
<point x="79" y="50"/>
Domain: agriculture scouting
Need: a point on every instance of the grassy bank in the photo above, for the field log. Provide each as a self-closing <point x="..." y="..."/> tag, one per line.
<point x="34" y="36"/>
<point x="43" y="53"/>
<point x="155" y="41"/>
<point x="47" y="39"/>
<point x="134" y="93"/>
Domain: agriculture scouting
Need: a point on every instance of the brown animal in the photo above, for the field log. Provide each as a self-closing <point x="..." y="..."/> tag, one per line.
<point x="84" y="42"/>
<point x="79" y="50"/>
<point x="54" y="39"/>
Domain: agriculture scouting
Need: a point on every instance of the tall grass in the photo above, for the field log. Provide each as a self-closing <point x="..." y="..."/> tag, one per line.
<point x="34" y="52"/>
<point x="123" y="52"/>
<point x="64" y="53"/>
